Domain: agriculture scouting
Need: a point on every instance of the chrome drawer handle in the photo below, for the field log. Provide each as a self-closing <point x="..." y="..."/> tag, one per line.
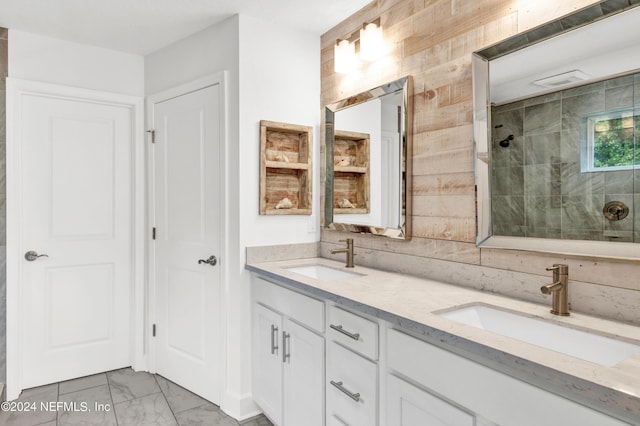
<point x="354" y="336"/>
<point x="354" y="396"/>
<point x="285" y="351"/>
<point x="274" y="339"/>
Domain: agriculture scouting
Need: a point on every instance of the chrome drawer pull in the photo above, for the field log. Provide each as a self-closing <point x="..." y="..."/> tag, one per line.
<point x="354" y="336"/>
<point x="285" y="351"/>
<point x="274" y="339"/>
<point x="338" y="385"/>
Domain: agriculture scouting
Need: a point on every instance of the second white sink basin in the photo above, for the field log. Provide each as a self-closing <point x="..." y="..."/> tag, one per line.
<point x="322" y="272"/>
<point x="577" y="343"/>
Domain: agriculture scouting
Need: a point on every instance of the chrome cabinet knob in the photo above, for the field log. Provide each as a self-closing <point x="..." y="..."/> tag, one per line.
<point x="211" y="261"/>
<point x="33" y="255"/>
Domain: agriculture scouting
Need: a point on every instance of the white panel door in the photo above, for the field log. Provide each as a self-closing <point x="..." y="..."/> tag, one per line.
<point x="187" y="209"/>
<point x="76" y="209"/>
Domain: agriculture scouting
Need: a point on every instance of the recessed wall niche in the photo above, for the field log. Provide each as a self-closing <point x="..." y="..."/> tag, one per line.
<point x="285" y="168"/>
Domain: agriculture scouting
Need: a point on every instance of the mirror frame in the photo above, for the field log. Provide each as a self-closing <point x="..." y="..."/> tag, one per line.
<point x="404" y="84"/>
<point x="482" y="136"/>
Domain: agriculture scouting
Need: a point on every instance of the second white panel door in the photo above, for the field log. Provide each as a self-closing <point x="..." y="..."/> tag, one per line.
<point x="187" y="197"/>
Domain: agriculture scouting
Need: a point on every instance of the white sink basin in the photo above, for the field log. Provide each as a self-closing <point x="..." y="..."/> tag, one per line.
<point x="322" y="272"/>
<point x="580" y="344"/>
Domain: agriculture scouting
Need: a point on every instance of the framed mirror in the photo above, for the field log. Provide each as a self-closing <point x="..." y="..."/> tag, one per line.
<point x="368" y="140"/>
<point x="557" y="136"/>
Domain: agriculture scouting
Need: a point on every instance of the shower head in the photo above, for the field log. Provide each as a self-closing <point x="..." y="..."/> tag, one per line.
<point x="505" y="142"/>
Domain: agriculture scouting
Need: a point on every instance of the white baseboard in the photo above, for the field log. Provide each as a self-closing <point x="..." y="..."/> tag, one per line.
<point x="240" y="407"/>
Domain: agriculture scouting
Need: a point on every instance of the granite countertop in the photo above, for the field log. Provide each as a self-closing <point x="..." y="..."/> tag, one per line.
<point x="410" y="302"/>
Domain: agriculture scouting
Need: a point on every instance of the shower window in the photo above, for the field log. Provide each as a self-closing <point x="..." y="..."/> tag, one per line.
<point x="610" y="141"/>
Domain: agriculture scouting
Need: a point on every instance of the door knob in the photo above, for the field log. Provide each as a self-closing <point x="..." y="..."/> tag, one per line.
<point x="33" y="255"/>
<point x="211" y="261"/>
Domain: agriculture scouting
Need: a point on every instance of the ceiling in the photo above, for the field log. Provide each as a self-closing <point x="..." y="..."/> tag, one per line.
<point x="144" y="26"/>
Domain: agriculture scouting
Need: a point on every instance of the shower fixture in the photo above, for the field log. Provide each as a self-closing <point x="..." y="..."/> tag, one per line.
<point x="505" y="142"/>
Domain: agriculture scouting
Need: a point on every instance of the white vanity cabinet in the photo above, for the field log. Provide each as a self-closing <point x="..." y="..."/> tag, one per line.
<point x="352" y="370"/>
<point x="288" y="355"/>
<point x="454" y="390"/>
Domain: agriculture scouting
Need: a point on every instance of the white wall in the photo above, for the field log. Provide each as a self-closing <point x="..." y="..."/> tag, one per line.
<point x="279" y="81"/>
<point x="365" y="118"/>
<point x="46" y="59"/>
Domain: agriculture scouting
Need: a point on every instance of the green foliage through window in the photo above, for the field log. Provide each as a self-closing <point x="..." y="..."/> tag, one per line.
<point x="614" y="141"/>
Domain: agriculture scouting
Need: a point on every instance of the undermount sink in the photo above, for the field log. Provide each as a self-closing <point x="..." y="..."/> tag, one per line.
<point x="322" y="272"/>
<point x="588" y="346"/>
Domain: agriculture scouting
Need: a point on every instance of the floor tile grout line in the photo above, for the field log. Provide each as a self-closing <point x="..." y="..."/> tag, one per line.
<point x="155" y="377"/>
<point x="113" y="406"/>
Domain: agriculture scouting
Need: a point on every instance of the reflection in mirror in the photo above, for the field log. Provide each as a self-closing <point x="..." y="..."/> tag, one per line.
<point x="368" y="141"/>
<point x="556" y="129"/>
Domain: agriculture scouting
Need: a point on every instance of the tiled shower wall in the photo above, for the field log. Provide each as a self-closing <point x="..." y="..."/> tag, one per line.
<point x="3" y="204"/>
<point x="538" y="189"/>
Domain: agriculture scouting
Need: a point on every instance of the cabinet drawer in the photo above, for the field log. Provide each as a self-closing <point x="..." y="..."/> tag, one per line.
<point x="353" y="331"/>
<point x="351" y="388"/>
<point x="303" y="309"/>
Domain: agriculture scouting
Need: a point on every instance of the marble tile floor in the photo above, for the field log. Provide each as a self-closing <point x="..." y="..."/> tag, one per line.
<point x="118" y="398"/>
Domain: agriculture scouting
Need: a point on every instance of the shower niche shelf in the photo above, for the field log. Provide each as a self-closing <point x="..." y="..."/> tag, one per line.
<point x="351" y="172"/>
<point x="285" y="168"/>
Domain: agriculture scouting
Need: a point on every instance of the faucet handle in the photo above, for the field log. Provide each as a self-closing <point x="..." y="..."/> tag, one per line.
<point x="562" y="268"/>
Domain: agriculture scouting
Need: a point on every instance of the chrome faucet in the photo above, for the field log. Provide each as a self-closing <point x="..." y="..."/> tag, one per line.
<point x="348" y="250"/>
<point x="559" y="289"/>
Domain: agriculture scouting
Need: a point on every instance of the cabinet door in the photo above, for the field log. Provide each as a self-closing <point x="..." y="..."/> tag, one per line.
<point x="408" y="405"/>
<point x="267" y="362"/>
<point x="303" y="376"/>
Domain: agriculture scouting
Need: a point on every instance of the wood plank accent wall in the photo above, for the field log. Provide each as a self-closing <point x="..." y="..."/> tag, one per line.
<point x="432" y="40"/>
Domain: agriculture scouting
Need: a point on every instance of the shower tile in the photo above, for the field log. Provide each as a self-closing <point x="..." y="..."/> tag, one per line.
<point x="507" y="107"/>
<point x="570" y="147"/>
<point x="582" y="234"/>
<point x="541" y="179"/>
<point x="543" y="232"/>
<point x="542" y="118"/>
<point x="543" y="212"/>
<point x="542" y="149"/>
<point x="511" y="123"/>
<point x="575" y="182"/>
<point x="625" y="80"/>
<point x="581" y="90"/>
<point x="501" y="182"/>
<point x="555" y="96"/>
<point x="618" y="182"/>
<point x="575" y="107"/>
<point x="583" y="212"/>
<point x="507" y="212"/>
<point x="619" y="97"/>
<point x="513" y="155"/>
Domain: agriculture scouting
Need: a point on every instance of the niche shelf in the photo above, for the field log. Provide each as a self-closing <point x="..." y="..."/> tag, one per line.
<point x="351" y="172"/>
<point x="285" y="168"/>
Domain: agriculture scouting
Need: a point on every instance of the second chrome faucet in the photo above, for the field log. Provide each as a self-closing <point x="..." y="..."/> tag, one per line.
<point x="348" y="250"/>
<point x="559" y="289"/>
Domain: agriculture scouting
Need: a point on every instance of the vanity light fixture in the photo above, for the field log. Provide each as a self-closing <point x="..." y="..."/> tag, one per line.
<point x="344" y="56"/>
<point x="370" y="41"/>
<point x="365" y="44"/>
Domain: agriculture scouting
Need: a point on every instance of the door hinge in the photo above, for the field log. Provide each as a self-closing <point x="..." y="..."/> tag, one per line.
<point x="153" y="331"/>
<point x="153" y="233"/>
<point x="153" y="135"/>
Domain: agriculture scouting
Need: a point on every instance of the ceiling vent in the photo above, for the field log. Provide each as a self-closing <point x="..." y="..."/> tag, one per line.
<point x="563" y="79"/>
